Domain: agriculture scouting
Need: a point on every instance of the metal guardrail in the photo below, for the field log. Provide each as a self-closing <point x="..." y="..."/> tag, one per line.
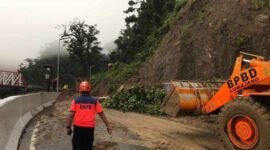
<point x="8" y="78"/>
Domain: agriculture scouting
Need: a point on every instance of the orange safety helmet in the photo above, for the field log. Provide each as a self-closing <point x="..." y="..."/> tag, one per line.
<point x="85" y="86"/>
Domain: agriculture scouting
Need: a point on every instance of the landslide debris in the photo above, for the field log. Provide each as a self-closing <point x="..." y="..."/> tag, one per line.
<point x="206" y="38"/>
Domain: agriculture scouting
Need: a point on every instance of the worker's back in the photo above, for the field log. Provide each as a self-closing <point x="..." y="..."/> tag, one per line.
<point x="85" y="108"/>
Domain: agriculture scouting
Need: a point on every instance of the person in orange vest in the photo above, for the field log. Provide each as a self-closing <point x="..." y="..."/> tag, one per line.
<point x="82" y="114"/>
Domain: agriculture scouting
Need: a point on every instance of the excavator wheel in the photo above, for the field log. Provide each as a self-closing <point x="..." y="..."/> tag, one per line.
<point x="244" y="124"/>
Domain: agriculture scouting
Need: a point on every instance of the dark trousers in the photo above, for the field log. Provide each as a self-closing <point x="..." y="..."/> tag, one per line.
<point x="83" y="138"/>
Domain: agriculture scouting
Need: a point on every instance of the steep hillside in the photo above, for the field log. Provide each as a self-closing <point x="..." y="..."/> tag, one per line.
<point x="206" y="38"/>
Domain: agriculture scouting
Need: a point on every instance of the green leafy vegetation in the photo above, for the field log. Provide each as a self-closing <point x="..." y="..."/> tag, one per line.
<point x="262" y="3"/>
<point x="180" y="4"/>
<point x="155" y="37"/>
<point x="241" y="41"/>
<point x="147" y="22"/>
<point x="33" y="69"/>
<point x="82" y="57"/>
<point x="136" y="44"/>
<point x="83" y="45"/>
<point x="146" y="99"/>
<point x="141" y="38"/>
<point x="116" y="75"/>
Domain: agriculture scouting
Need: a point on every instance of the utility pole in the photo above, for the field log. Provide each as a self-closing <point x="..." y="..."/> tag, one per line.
<point x="58" y="64"/>
<point x="63" y="37"/>
<point x="92" y="66"/>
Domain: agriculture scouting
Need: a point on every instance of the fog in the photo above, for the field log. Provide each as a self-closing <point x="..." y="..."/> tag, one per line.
<point x="52" y="49"/>
<point x="29" y="26"/>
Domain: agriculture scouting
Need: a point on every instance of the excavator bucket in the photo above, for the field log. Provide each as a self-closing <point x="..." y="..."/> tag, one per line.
<point x="187" y="97"/>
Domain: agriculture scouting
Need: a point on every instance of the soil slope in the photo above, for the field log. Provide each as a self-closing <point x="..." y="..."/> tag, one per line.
<point x="206" y="38"/>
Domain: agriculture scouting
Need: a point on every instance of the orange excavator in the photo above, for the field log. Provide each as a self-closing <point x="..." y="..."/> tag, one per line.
<point x="242" y="103"/>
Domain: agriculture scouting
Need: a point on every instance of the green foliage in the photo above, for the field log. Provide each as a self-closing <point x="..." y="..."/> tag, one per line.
<point x="146" y="99"/>
<point x="83" y="45"/>
<point x="97" y="78"/>
<point x="150" y="23"/>
<point x="155" y="37"/>
<point x="118" y="73"/>
<point x="180" y="4"/>
<point x="34" y="72"/>
<point x="141" y="38"/>
<point x="262" y="3"/>
<point x="241" y="41"/>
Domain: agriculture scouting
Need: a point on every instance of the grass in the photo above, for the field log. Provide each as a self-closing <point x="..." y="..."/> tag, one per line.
<point x="118" y="73"/>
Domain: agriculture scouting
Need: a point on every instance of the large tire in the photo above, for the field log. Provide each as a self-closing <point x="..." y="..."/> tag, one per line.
<point x="244" y="124"/>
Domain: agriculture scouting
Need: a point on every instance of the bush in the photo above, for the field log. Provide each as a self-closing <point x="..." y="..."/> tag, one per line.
<point x="146" y="100"/>
<point x="119" y="72"/>
<point x="262" y="3"/>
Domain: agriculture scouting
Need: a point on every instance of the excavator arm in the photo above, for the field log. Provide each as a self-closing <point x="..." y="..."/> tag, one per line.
<point x="242" y="78"/>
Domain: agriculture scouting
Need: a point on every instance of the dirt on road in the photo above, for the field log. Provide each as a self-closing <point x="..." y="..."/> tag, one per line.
<point x="130" y="131"/>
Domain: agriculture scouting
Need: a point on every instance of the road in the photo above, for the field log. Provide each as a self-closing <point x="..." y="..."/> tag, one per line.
<point x="130" y="131"/>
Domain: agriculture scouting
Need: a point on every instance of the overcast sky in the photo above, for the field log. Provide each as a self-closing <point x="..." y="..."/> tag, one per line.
<point x="26" y="26"/>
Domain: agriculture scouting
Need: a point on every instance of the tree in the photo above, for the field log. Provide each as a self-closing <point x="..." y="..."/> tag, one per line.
<point x="83" y="52"/>
<point x="144" y="17"/>
<point x="83" y="45"/>
<point x="33" y="70"/>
